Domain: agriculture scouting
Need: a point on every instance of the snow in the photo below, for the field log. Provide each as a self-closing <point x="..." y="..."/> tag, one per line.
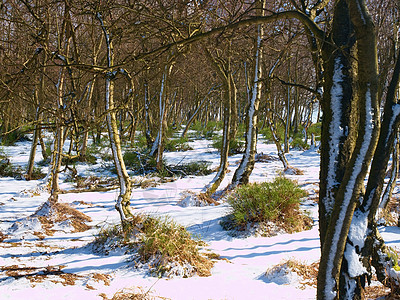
<point x="335" y="132"/>
<point x="396" y="113"/>
<point x="239" y="275"/>
<point x="358" y="165"/>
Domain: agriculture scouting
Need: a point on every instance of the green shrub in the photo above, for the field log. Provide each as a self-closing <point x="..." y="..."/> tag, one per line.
<point x="298" y="143"/>
<point x="88" y="158"/>
<point x="177" y="144"/>
<point x="159" y="242"/>
<point x="140" y="141"/>
<point x="133" y="159"/>
<point x="316" y="130"/>
<point x="394" y="258"/>
<point x="14" y="136"/>
<point x="266" y="132"/>
<point x="198" y="168"/>
<point x="37" y="174"/>
<point x="277" y="202"/>
<point x="235" y="146"/>
<point x="207" y="131"/>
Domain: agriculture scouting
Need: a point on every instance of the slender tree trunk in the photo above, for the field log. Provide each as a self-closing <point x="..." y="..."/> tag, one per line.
<point x="35" y="140"/>
<point x="224" y="152"/>
<point x="224" y="73"/>
<point x="85" y="137"/>
<point x="246" y="166"/>
<point x="158" y="145"/>
<point x="148" y="123"/>
<point x="123" y="201"/>
<point x="196" y="113"/>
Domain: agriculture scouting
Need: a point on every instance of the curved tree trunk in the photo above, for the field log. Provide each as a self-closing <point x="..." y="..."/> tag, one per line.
<point x="246" y="166"/>
<point x="157" y="149"/>
<point x="224" y="73"/>
<point x="223" y="165"/>
<point x="196" y="112"/>
<point x="123" y="201"/>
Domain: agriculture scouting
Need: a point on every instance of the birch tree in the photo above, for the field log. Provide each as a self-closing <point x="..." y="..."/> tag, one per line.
<point x="246" y="166"/>
<point x="224" y="71"/>
<point x="123" y="201"/>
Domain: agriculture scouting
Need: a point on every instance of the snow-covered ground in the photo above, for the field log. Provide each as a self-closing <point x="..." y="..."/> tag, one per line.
<point x="61" y="266"/>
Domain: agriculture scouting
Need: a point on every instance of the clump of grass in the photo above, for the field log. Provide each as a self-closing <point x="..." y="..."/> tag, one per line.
<point x="307" y="273"/>
<point x="17" y="135"/>
<point x="133" y="159"/>
<point x="7" y="169"/>
<point x="177" y="144"/>
<point x="236" y="146"/>
<point x="133" y="294"/>
<point x="276" y="202"/>
<point x="316" y="130"/>
<point x="198" y="168"/>
<point x="299" y="143"/>
<point x="166" y="247"/>
<point x="207" y="130"/>
<point x="394" y="258"/>
<point x="37" y="174"/>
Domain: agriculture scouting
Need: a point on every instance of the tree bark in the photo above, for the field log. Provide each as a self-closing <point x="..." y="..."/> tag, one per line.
<point x="123" y="201"/>
<point x="352" y="185"/>
<point x="246" y="166"/>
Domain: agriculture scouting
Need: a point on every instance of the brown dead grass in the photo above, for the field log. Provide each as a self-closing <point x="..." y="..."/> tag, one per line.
<point x="102" y="277"/>
<point x="265" y="158"/>
<point x="378" y="291"/>
<point x="40" y="274"/>
<point x="307" y="273"/>
<point x="95" y="182"/>
<point x="133" y="294"/>
<point x="293" y="171"/>
<point x="146" y="183"/>
<point x="2" y="236"/>
<point x="60" y="212"/>
<point x="388" y="214"/>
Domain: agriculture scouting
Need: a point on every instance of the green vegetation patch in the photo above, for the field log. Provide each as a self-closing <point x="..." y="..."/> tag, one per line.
<point x="177" y="144"/>
<point x="269" y="204"/>
<point x="205" y="130"/>
<point x="162" y="245"/>
<point x="236" y="146"/>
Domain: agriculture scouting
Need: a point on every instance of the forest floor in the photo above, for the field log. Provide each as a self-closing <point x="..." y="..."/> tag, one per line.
<point x="42" y="260"/>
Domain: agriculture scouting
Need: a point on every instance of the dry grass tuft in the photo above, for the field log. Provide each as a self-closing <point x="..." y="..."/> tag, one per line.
<point x="379" y="291"/>
<point x="389" y="216"/>
<point x="133" y="294"/>
<point x="191" y="199"/>
<point x="2" y="236"/>
<point x="165" y="247"/>
<point x="265" y="158"/>
<point x="293" y="171"/>
<point x="52" y="212"/>
<point x="307" y="273"/>
<point x="95" y="182"/>
<point x="105" y="278"/>
<point x="39" y="274"/>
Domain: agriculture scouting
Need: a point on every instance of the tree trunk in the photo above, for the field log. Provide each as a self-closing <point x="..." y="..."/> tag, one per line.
<point x="352" y="185"/>
<point x="196" y="113"/>
<point x="123" y="201"/>
<point x="35" y="140"/>
<point x="223" y="165"/>
<point x="224" y="72"/>
<point x="246" y="166"/>
<point x="158" y="146"/>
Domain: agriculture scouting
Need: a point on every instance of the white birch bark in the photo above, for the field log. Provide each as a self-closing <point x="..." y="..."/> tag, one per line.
<point x="246" y="166"/>
<point x="123" y="201"/>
